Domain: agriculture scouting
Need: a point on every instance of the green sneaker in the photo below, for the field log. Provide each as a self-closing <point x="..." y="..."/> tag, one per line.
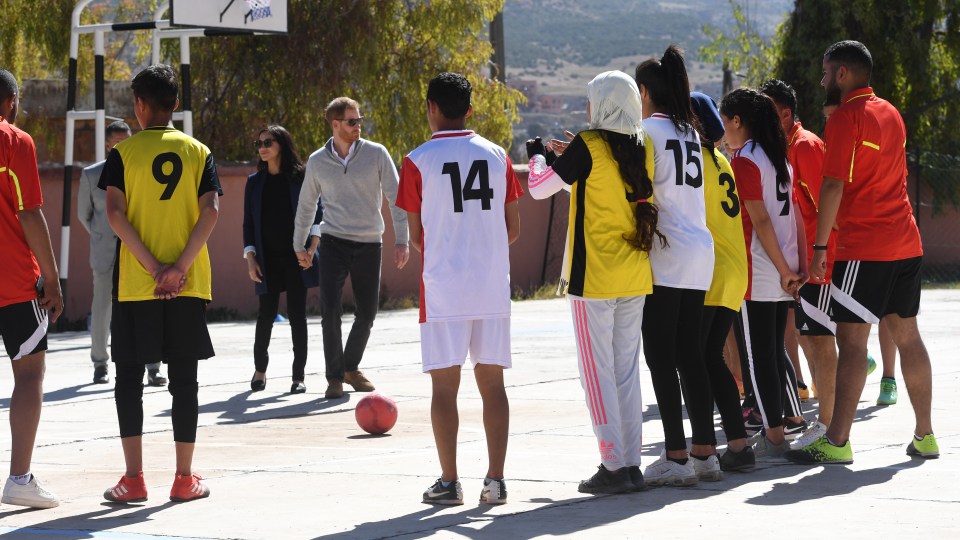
<point x="926" y="447"/>
<point x="821" y="452"/>
<point x="871" y="364"/>
<point x="888" y="392"/>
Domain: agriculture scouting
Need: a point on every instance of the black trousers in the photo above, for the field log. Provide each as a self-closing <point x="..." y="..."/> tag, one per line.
<point x="288" y="273"/>
<point x="716" y="325"/>
<point x="340" y="258"/>
<point x="671" y="343"/>
<point x="128" y="394"/>
<point x="790" y="399"/>
<point x="774" y="380"/>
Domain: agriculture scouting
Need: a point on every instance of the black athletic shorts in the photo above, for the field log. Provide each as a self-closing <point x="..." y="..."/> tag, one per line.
<point x="866" y="291"/>
<point x="811" y="311"/>
<point x="24" y="328"/>
<point x="151" y="331"/>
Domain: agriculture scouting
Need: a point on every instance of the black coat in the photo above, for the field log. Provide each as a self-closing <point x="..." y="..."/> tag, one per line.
<point x="253" y="226"/>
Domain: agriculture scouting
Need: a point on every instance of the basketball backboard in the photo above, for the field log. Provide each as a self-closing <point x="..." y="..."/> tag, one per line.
<point x="244" y="15"/>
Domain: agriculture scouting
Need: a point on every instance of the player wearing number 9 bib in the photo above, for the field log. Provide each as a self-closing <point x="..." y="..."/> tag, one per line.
<point x="162" y="202"/>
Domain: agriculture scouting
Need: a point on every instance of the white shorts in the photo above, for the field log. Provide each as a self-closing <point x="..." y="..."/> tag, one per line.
<point x="445" y="344"/>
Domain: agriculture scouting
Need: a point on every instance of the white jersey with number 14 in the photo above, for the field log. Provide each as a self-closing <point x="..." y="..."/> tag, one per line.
<point x="459" y="183"/>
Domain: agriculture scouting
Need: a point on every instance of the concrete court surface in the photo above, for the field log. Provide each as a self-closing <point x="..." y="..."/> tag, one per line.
<point x="297" y="466"/>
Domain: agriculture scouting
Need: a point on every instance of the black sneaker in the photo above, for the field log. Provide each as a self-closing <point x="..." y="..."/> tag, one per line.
<point x="742" y="461"/>
<point x="636" y="478"/>
<point x="605" y="481"/>
<point x="437" y="494"/>
<point x="100" y="375"/>
<point x="792" y="430"/>
<point x="154" y="378"/>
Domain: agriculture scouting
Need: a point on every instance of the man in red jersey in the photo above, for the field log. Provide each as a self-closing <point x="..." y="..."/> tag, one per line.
<point x="30" y="288"/>
<point x="877" y="270"/>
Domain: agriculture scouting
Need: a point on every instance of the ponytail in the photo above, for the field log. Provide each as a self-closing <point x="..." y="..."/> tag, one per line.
<point x="631" y="160"/>
<point x="759" y="116"/>
<point x="669" y="88"/>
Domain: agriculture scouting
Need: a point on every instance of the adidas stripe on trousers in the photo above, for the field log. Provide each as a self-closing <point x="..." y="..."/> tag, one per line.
<point x="770" y="370"/>
<point x="608" y="349"/>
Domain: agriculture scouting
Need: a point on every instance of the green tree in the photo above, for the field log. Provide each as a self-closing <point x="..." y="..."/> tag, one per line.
<point x="916" y="53"/>
<point x="381" y="53"/>
<point x="740" y="49"/>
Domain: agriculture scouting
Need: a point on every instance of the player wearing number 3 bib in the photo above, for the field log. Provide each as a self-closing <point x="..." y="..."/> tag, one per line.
<point x="162" y="202"/>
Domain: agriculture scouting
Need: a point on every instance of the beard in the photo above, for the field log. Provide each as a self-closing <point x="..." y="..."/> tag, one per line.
<point x="834" y="93"/>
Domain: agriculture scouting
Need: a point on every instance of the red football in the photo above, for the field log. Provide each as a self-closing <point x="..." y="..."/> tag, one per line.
<point x="376" y="413"/>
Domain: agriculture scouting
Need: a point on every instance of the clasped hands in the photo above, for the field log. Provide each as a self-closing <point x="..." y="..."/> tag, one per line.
<point x="170" y="281"/>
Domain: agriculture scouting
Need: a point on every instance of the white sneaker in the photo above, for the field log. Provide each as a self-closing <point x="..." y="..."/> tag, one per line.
<point x="493" y="492"/>
<point x="815" y="431"/>
<point x="664" y="472"/>
<point x="32" y="495"/>
<point x="708" y="469"/>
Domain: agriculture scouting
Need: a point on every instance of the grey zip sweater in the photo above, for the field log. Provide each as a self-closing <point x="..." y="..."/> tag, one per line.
<point x="352" y="195"/>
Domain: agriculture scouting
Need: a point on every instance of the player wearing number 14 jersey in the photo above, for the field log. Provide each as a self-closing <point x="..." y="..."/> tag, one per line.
<point x="460" y="194"/>
<point x="162" y="202"/>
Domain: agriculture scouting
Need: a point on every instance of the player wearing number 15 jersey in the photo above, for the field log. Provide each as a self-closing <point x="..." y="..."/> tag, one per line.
<point x="682" y="272"/>
<point x="162" y="202"/>
<point x="460" y="194"/>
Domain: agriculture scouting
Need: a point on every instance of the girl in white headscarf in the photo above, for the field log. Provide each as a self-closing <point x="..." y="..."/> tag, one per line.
<point x="608" y="170"/>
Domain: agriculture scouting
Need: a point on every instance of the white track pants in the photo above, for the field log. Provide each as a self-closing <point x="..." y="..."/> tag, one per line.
<point x="608" y="347"/>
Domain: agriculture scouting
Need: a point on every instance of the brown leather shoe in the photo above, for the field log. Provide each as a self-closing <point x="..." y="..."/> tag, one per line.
<point x="358" y="381"/>
<point x="334" y="389"/>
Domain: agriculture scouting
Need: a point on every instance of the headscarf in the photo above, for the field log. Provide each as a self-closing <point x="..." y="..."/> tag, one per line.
<point x="615" y="104"/>
<point x="706" y="111"/>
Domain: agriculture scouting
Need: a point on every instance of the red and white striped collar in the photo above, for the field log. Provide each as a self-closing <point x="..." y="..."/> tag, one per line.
<point x="452" y="133"/>
<point x="659" y="115"/>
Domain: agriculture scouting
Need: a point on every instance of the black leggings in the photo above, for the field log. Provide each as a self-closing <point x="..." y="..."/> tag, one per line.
<point x="671" y="344"/>
<point x="774" y="382"/>
<point x="716" y="325"/>
<point x="128" y="394"/>
<point x="297" y="315"/>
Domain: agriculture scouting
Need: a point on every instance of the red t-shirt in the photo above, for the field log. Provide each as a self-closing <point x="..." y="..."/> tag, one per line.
<point x="865" y="141"/>
<point x="20" y="191"/>
<point x="805" y="153"/>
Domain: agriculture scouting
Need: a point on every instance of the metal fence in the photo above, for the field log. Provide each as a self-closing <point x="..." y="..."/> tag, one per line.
<point x="935" y="194"/>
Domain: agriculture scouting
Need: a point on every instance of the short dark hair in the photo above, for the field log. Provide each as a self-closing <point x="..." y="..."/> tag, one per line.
<point x="157" y="86"/>
<point x="852" y="54"/>
<point x="117" y="127"/>
<point x="451" y="92"/>
<point x="781" y="93"/>
<point x="8" y="85"/>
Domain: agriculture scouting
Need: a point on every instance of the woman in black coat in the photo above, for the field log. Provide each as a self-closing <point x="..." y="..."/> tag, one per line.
<point x="269" y="207"/>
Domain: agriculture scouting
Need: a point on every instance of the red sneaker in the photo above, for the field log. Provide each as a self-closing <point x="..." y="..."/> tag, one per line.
<point x="127" y="490"/>
<point x="188" y="488"/>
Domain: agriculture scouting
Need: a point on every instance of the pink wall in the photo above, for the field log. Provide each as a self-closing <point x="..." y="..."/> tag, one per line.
<point x="232" y="287"/>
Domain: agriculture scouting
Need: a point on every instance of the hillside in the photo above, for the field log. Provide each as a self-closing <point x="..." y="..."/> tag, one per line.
<point x="562" y="44"/>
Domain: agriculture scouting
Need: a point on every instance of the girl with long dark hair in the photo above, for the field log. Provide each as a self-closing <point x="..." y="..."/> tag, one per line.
<point x="269" y="205"/>
<point x="612" y="226"/>
<point x="682" y="272"/>
<point x="775" y="247"/>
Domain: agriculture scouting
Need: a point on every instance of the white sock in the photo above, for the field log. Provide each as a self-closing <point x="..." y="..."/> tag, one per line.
<point x="23" y="479"/>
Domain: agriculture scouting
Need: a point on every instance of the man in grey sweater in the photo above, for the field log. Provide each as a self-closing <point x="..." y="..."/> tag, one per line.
<point x="92" y="211"/>
<point x="351" y="175"/>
